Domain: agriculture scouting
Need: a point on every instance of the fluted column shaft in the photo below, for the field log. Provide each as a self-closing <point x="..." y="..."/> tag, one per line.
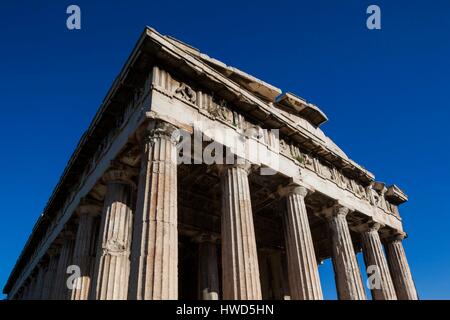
<point x="154" y="274"/>
<point x="82" y="256"/>
<point x="40" y="278"/>
<point x="112" y="266"/>
<point x="26" y="291"/>
<point x="374" y="256"/>
<point x="50" y="276"/>
<point x="346" y="270"/>
<point x="303" y="274"/>
<point x="23" y="294"/>
<point x="398" y="265"/>
<point x="60" y="289"/>
<point x="32" y="286"/>
<point x="239" y="254"/>
<point x="208" y="274"/>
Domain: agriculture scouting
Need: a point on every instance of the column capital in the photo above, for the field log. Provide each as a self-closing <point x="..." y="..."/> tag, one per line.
<point x="158" y="128"/>
<point x="206" y="237"/>
<point x="89" y="207"/>
<point x="340" y="210"/>
<point x="334" y="211"/>
<point x="245" y="165"/>
<point x="120" y="173"/>
<point x="68" y="233"/>
<point x="369" y="226"/>
<point x="290" y="189"/>
<point x="395" y="236"/>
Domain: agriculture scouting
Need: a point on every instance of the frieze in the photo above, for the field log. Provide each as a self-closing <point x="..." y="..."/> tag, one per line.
<point x="185" y="92"/>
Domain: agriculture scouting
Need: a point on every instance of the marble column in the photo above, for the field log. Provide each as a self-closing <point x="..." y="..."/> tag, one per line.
<point x="208" y="273"/>
<point x="154" y="262"/>
<point x="240" y="269"/>
<point x="60" y="289"/>
<point x="303" y="274"/>
<point x="346" y="270"/>
<point x="112" y="265"/>
<point x="398" y="265"/>
<point x="376" y="265"/>
<point x="50" y="274"/>
<point x="84" y="242"/>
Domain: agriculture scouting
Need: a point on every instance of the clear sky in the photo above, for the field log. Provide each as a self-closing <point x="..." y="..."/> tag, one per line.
<point x="386" y="93"/>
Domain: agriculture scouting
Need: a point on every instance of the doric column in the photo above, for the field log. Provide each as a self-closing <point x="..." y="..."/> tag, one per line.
<point x="26" y="290"/>
<point x="383" y="288"/>
<point x="398" y="265"/>
<point x="84" y="242"/>
<point x="60" y="290"/>
<point x="154" y="263"/>
<point x="239" y="256"/>
<point x="346" y="270"/>
<point x="18" y="295"/>
<point x="208" y="274"/>
<point x="50" y="274"/>
<point x="112" y="266"/>
<point x="304" y="281"/>
<point x="32" y="286"/>
<point x="40" y="278"/>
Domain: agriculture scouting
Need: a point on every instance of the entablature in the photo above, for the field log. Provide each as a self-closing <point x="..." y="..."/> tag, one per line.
<point x="221" y="111"/>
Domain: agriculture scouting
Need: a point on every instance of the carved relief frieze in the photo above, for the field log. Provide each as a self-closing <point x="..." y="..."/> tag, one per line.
<point x="186" y="93"/>
<point x="211" y="106"/>
<point x="309" y="162"/>
<point x="285" y="148"/>
<point x="220" y="110"/>
<point x="326" y="172"/>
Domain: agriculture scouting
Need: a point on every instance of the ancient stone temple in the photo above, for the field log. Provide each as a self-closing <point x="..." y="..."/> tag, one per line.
<point x="141" y="213"/>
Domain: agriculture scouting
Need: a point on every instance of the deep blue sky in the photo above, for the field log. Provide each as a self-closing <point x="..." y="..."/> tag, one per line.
<point x="385" y="92"/>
